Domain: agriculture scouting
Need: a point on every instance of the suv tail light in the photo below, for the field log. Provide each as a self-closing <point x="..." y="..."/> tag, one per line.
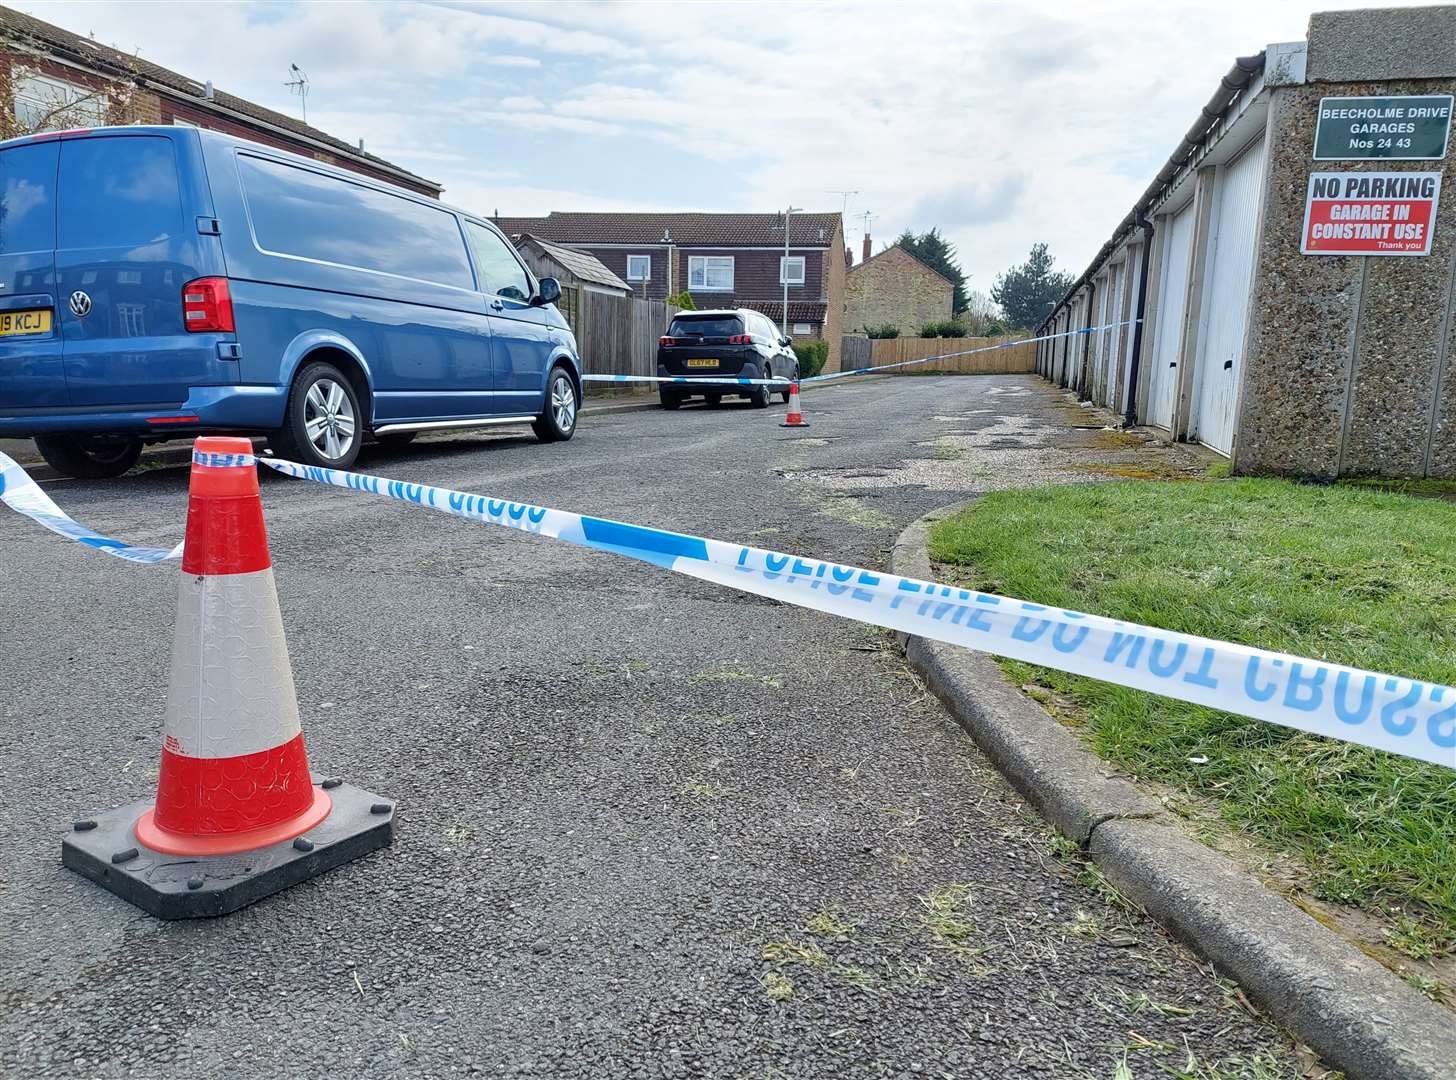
<point x="665" y="340"/>
<point x="740" y="339"/>
<point x="207" y="305"/>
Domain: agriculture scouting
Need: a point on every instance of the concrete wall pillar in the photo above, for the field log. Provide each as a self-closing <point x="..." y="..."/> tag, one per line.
<point x="1348" y="359"/>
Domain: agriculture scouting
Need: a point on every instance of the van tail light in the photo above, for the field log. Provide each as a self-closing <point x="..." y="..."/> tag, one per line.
<point x="207" y="305"/>
<point x="740" y="339"/>
<point x="664" y="340"/>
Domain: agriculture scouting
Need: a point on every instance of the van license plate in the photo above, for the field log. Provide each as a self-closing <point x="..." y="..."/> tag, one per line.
<point x="35" y="321"/>
<point x="703" y="362"/>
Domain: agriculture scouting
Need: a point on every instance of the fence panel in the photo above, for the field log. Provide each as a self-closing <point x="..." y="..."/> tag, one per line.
<point x="855" y="352"/>
<point x="617" y="335"/>
<point x="1018" y="358"/>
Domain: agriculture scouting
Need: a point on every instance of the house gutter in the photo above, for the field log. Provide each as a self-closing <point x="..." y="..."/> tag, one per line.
<point x="285" y="133"/>
<point x="1230" y="88"/>
<point x="57" y="53"/>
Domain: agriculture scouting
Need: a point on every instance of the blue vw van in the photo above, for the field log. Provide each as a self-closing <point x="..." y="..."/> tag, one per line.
<point x="161" y="282"/>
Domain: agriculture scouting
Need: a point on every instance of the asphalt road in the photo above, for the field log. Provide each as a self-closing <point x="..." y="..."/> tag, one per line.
<point x="647" y="827"/>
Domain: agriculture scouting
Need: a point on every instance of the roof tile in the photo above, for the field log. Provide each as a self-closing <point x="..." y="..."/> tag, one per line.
<point x="18" y="25"/>
<point x="680" y="229"/>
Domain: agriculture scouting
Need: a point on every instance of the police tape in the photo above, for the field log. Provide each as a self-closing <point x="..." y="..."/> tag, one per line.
<point x="23" y="495"/>
<point x="728" y="380"/>
<point x="716" y="380"/>
<point x="1400" y="715"/>
<point x="973" y="352"/>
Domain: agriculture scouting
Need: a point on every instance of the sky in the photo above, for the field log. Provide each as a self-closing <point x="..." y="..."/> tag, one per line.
<point x="1000" y="124"/>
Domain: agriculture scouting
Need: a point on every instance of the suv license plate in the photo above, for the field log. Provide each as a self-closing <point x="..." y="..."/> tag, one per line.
<point x="34" y="321"/>
<point x="703" y="362"/>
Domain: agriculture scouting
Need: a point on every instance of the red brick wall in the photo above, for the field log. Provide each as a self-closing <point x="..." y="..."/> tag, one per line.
<point x="755" y="272"/>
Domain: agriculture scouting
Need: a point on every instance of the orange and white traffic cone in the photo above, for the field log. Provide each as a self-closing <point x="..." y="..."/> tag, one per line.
<point x="795" y="417"/>
<point x="235" y="797"/>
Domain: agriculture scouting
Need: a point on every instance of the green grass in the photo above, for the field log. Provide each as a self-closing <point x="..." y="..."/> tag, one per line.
<point x="1343" y="573"/>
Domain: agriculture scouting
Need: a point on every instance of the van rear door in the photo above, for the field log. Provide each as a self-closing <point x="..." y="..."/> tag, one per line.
<point x="130" y="210"/>
<point x="32" y="376"/>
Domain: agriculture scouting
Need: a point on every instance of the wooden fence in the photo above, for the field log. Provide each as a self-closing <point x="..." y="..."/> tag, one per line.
<point x="855" y="352"/>
<point x="884" y="351"/>
<point x="616" y="335"/>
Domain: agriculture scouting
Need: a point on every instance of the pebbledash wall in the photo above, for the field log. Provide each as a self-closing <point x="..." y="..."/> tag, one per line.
<point x="1291" y="364"/>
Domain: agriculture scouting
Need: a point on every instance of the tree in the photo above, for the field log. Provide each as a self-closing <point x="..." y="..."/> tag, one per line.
<point x="47" y="103"/>
<point x="982" y="318"/>
<point x="940" y="255"/>
<point x="1027" y="293"/>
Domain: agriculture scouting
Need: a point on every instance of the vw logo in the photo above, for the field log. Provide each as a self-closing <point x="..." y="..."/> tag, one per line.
<point x="80" y="304"/>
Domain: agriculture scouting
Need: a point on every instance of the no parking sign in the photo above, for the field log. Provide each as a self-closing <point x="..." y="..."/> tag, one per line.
<point x="1370" y="213"/>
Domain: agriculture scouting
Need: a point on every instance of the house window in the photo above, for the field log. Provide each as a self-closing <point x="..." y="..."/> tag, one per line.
<point x="802" y="328"/>
<point x="46" y="104"/>
<point x="639" y="267"/>
<point x="791" y="270"/>
<point x="710" y="273"/>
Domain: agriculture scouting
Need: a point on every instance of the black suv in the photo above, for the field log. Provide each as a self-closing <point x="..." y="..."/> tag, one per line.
<point x="735" y="344"/>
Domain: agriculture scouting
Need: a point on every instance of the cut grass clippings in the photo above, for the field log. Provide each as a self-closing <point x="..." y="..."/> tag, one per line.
<point x="1349" y="575"/>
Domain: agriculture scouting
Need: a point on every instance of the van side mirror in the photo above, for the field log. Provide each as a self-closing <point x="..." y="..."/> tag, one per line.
<point x="548" y="291"/>
<point x="784" y="341"/>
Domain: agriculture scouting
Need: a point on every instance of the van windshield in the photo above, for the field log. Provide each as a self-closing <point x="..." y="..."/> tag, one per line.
<point x="712" y="326"/>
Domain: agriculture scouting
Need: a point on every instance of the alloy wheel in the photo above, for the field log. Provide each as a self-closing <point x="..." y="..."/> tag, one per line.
<point x="328" y="418"/>
<point x="563" y="403"/>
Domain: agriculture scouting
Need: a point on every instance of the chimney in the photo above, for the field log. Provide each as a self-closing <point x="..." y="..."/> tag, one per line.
<point x="207" y="91"/>
<point x="866" y="257"/>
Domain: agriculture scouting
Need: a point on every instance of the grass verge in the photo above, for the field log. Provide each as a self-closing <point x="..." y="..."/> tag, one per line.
<point x="1352" y="575"/>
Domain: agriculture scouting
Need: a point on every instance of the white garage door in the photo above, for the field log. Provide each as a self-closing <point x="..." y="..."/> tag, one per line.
<point x="1172" y="292"/>
<point x="1225" y="313"/>
<point x="1111" y="339"/>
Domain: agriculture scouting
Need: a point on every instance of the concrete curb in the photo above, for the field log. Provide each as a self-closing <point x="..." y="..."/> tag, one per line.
<point x="1357" y="1015"/>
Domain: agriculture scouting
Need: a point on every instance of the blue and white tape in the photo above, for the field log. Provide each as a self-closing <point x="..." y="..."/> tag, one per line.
<point x="969" y="352"/>
<point x="781" y="383"/>
<point x="23" y="495"/>
<point x="1388" y="712"/>
<point x="688" y="379"/>
<point x="1400" y="715"/>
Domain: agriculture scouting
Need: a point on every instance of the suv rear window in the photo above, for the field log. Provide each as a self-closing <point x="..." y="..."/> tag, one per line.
<point x="28" y="198"/>
<point x="712" y="326"/>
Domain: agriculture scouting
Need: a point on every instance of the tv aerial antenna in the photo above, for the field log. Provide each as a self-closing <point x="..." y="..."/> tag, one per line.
<point x="839" y="191"/>
<point x="298" y="84"/>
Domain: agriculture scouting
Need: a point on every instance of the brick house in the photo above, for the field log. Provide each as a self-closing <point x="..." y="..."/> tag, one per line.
<point x="895" y="287"/>
<point x="722" y="260"/>
<point x="57" y="79"/>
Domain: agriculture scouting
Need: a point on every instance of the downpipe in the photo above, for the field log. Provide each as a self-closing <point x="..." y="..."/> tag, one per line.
<point x="1130" y="415"/>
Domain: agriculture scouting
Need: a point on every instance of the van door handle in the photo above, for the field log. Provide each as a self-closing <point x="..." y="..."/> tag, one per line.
<point x="497" y="305"/>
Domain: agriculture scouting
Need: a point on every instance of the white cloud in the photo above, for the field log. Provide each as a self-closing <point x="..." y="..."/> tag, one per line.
<point x="1002" y="125"/>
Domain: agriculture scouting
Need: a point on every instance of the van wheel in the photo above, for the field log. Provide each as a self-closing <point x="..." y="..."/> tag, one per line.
<point x="557" y="421"/>
<point x="321" y="423"/>
<point x="89" y="457"/>
<point x="669" y="399"/>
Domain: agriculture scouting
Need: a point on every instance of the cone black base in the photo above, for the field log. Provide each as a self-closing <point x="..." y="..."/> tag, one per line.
<point x="801" y="423"/>
<point x="105" y="849"/>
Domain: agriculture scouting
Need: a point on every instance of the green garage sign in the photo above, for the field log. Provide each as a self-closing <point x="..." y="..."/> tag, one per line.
<point x="1409" y="128"/>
